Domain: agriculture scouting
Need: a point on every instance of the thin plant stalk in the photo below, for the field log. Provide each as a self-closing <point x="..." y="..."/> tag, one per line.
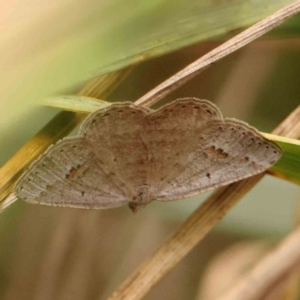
<point x="234" y="44"/>
<point x="273" y="268"/>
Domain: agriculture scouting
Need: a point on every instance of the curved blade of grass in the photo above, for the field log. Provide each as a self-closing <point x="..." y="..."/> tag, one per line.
<point x="288" y="166"/>
<point x="186" y="23"/>
<point x="53" y="52"/>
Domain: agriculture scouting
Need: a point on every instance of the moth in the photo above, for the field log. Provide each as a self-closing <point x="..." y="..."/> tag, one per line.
<point x="130" y="155"/>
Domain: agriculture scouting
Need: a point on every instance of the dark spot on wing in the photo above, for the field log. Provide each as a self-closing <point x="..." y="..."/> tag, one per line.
<point x="246" y="159"/>
<point x="217" y="152"/>
<point x="72" y="172"/>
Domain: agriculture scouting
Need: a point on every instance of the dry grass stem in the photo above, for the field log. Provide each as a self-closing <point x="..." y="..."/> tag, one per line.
<point x="225" y="49"/>
<point x="227" y="267"/>
<point x="289" y="129"/>
<point x="273" y="268"/>
<point x="192" y="230"/>
<point x="292" y="290"/>
<point x="60" y="126"/>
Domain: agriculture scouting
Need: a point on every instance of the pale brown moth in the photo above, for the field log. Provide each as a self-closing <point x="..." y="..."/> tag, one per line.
<point x="127" y="154"/>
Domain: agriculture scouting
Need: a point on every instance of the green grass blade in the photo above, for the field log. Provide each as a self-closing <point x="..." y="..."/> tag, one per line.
<point x="288" y="166"/>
